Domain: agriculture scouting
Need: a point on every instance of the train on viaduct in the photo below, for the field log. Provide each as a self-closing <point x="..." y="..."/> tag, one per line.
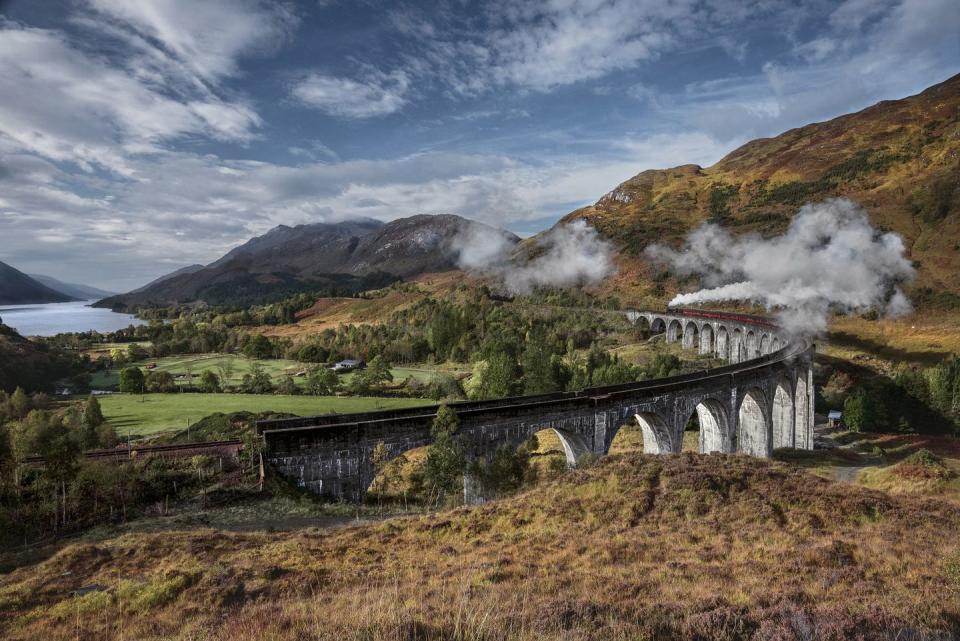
<point x="760" y="400"/>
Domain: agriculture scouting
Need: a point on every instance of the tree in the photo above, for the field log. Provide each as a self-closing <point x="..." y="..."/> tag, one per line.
<point x="258" y="346"/>
<point x="860" y="412"/>
<point x="92" y="413"/>
<point x="445" y="464"/>
<point x="210" y="382"/>
<point x="322" y="382"/>
<point x="19" y="403"/>
<point x="92" y="419"/>
<point x="160" y="381"/>
<point x="60" y="449"/>
<point x="375" y="375"/>
<point x="288" y="387"/>
<point x="226" y="372"/>
<point x="492" y="378"/>
<point x="538" y="372"/>
<point x="257" y="381"/>
<point x="118" y="356"/>
<point x="136" y="353"/>
<point x="131" y="380"/>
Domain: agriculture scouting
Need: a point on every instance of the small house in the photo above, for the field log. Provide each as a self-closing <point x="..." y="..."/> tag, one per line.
<point x="348" y="364"/>
<point x="835" y="418"/>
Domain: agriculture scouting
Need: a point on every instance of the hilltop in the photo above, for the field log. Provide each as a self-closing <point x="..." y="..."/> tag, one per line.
<point x="337" y="258"/>
<point x="688" y="546"/>
<point x="16" y="288"/>
<point x="900" y="159"/>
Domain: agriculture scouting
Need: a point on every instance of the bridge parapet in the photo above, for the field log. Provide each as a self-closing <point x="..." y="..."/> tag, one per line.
<point x="762" y="399"/>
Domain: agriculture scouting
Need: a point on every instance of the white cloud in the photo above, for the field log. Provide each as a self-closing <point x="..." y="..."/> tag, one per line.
<point x="206" y="37"/>
<point x="377" y="95"/>
<point x="66" y="105"/>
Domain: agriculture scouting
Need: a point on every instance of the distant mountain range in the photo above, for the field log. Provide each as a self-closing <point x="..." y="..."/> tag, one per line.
<point x="899" y="159"/>
<point x="16" y="288"/>
<point x="333" y="258"/>
<point x="80" y="292"/>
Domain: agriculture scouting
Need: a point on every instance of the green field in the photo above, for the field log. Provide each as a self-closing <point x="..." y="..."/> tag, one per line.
<point x="277" y="368"/>
<point x="151" y="413"/>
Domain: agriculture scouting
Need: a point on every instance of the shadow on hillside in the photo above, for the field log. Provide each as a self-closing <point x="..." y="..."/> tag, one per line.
<point x="884" y="351"/>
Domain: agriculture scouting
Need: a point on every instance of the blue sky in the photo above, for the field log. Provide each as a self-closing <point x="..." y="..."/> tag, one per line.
<point x="138" y="137"/>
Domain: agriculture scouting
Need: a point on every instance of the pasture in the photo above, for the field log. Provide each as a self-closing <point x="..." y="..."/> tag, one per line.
<point x="136" y="415"/>
<point x="233" y="367"/>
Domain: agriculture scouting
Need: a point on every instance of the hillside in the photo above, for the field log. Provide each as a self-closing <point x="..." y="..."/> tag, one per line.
<point x="76" y="290"/>
<point x="339" y="258"/>
<point x="690" y="546"/>
<point x="16" y="288"/>
<point x="189" y="269"/>
<point x="900" y="159"/>
<point x="30" y="365"/>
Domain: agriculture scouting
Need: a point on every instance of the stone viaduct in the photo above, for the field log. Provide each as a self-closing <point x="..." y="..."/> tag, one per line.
<point x="760" y="400"/>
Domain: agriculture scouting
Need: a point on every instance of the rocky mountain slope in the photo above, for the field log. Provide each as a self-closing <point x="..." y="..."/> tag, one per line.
<point x="900" y="159"/>
<point x="16" y="288"/>
<point x="337" y="258"/>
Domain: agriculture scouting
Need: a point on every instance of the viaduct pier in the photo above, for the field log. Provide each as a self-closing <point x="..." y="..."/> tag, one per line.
<point x="762" y="399"/>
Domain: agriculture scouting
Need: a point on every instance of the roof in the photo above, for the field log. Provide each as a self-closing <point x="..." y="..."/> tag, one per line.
<point x="834" y="414"/>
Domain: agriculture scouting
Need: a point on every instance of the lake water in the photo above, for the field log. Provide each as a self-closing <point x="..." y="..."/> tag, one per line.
<point x="57" y="318"/>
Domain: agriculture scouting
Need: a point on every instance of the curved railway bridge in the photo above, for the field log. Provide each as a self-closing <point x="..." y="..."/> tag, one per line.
<point x="760" y="400"/>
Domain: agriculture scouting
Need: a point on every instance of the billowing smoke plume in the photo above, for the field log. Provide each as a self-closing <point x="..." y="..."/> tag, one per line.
<point x="568" y="255"/>
<point x="829" y="259"/>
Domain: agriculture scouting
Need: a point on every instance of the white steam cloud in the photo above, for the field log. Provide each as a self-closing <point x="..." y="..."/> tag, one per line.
<point x="568" y="255"/>
<point x="829" y="259"/>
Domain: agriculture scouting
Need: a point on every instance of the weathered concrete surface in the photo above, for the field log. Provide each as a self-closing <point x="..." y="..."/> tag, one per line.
<point x="761" y="400"/>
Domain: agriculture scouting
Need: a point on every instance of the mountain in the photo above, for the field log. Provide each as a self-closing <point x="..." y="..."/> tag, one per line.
<point x="16" y="288"/>
<point x="334" y="258"/>
<point x="899" y="159"/>
<point x="189" y="269"/>
<point x="82" y="292"/>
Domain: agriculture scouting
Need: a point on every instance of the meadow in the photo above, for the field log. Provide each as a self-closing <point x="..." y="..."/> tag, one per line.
<point x="276" y="368"/>
<point x="136" y="415"/>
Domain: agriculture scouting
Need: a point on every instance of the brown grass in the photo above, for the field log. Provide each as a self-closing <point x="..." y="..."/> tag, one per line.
<point x="636" y="547"/>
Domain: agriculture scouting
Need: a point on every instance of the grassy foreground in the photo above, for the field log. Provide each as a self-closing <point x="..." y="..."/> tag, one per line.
<point x="151" y="413"/>
<point x="636" y="547"/>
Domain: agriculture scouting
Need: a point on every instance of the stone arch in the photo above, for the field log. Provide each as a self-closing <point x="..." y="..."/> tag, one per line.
<point x="574" y="446"/>
<point x="691" y="336"/>
<point x="765" y="344"/>
<point x="752" y="428"/>
<point x="706" y="339"/>
<point x="736" y="346"/>
<point x="643" y="324"/>
<point x="782" y="418"/>
<point x="656" y="435"/>
<point x="723" y="343"/>
<point x="658" y="326"/>
<point x="775" y="344"/>
<point x="713" y="426"/>
<point x="751" y="345"/>
<point x="674" y="331"/>
<point x="802" y="437"/>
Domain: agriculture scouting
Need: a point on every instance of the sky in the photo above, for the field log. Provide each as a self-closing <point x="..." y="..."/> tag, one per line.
<point x="140" y="136"/>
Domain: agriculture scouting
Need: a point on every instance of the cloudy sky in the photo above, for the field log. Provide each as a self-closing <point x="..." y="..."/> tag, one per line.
<point x="138" y="136"/>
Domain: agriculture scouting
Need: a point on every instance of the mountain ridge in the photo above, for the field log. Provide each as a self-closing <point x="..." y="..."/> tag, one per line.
<point x="77" y="290"/>
<point x="335" y="258"/>
<point x="17" y="288"/>
<point x="899" y="159"/>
